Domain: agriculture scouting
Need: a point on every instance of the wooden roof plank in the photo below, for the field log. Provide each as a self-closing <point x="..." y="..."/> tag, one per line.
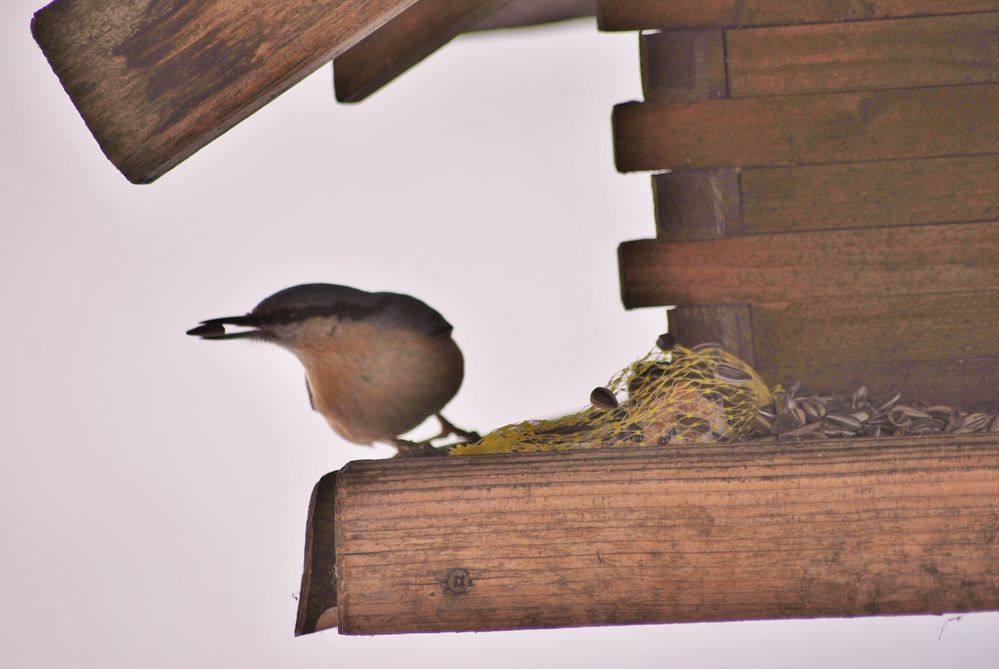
<point x="673" y="14"/>
<point x="155" y="81"/>
<point x="403" y="42"/>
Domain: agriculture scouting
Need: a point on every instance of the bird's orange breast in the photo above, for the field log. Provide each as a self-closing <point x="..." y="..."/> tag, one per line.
<point x="373" y="384"/>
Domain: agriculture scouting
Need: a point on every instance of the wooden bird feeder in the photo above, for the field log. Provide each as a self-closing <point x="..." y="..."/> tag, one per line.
<point x="826" y="181"/>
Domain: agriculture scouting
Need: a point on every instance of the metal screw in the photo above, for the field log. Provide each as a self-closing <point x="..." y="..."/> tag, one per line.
<point x="457" y="581"/>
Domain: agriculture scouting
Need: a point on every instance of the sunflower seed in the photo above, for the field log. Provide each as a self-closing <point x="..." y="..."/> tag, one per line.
<point x="886" y="402"/>
<point x="666" y="342"/>
<point x="974" y="422"/>
<point x="901" y="414"/>
<point x="731" y="374"/>
<point x="859" y="398"/>
<point x="844" y="421"/>
<point x="813" y="409"/>
<point x="770" y="411"/>
<point x="603" y="398"/>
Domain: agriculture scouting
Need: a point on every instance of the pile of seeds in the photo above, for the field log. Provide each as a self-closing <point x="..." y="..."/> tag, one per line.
<point x="795" y="415"/>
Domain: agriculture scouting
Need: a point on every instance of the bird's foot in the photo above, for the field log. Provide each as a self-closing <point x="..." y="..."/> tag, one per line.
<point x="409" y="449"/>
<point x="448" y="428"/>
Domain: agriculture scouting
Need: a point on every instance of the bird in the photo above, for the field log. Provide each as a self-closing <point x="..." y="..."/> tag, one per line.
<point x="377" y="364"/>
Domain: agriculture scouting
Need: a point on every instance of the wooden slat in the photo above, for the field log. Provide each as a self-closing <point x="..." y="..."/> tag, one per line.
<point x="730" y="325"/>
<point x="674" y="14"/>
<point x="869" y="329"/>
<point x="971" y="384"/>
<point x="808" y="129"/>
<point x="403" y="42"/>
<point x="683" y="66"/>
<point x="697" y="204"/>
<point x="536" y="12"/>
<point x="670" y="534"/>
<point x="931" y="51"/>
<point x="805" y="266"/>
<point x="936" y="190"/>
<point x="317" y="598"/>
<point x="157" y="81"/>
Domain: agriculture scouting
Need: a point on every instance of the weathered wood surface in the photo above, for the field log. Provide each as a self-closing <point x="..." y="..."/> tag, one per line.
<point x="730" y="325"/>
<point x="697" y="204"/>
<point x="903" y="53"/>
<point x="666" y="534"/>
<point x="155" y="81"/>
<point x="861" y="330"/>
<point x="808" y="129"/>
<point x="673" y="14"/>
<point x="965" y="383"/>
<point x="862" y="263"/>
<point x="850" y="195"/>
<point x="403" y="42"/>
<point x="683" y="66"/>
<point x="715" y="203"/>
<point x="935" y="348"/>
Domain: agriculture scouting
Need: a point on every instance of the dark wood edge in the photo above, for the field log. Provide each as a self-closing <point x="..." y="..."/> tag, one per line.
<point x="318" y="593"/>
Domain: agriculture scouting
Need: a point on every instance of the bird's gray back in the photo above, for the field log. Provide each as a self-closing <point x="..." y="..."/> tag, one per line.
<point x="381" y="309"/>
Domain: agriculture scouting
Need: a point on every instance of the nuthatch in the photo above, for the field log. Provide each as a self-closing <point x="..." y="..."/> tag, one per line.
<point x="376" y="364"/>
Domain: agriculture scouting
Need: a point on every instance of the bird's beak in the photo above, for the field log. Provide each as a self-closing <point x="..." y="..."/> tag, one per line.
<point x="215" y="329"/>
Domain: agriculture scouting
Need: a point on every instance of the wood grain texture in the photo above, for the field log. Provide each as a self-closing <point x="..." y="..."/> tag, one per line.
<point x="403" y="42"/>
<point x="851" y="195"/>
<point x="971" y="384"/>
<point x="808" y="129"/>
<point x="673" y="14"/>
<point x="157" y="80"/>
<point x="864" y="329"/>
<point x="697" y="204"/>
<point x="730" y="325"/>
<point x="802" y="266"/>
<point x="901" y="53"/>
<point x="653" y="535"/>
<point x="683" y="66"/>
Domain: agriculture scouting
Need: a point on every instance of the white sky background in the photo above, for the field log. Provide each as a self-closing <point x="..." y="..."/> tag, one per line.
<point x="154" y="487"/>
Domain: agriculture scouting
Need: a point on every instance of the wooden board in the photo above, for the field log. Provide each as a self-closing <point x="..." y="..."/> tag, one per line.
<point x="865" y="329"/>
<point x="904" y="53"/>
<point x="666" y="534"/>
<point x="730" y="325"/>
<point x="672" y="14"/>
<point x="403" y="42"/>
<point x="715" y="203"/>
<point x="534" y="12"/>
<point x="156" y="81"/>
<point x="697" y="204"/>
<point x="971" y="384"/>
<point x="808" y="129"/>
<point x="806" y="266"/>
<point x="317" y="598"/>
<point x="683" y="66"/>
<point x="903" y="192"/>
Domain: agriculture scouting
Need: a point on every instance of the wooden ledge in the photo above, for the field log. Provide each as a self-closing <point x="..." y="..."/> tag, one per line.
<point x="656" y="535"/>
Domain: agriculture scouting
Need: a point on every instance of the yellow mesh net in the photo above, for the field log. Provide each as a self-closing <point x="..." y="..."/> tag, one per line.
<point x="673" y="395"/>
